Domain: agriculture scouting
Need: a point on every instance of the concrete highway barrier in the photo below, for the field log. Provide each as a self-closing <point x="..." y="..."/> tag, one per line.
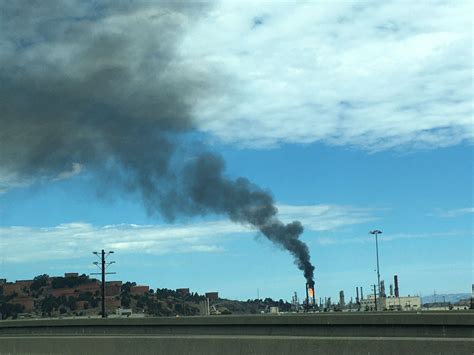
<point x="323" y="333"/>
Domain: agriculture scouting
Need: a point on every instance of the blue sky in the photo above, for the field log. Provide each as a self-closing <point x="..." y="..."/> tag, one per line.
<point x="355" y="117"/>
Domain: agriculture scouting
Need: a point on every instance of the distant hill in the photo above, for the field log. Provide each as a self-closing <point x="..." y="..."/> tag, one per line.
<point x="448" y="297"/>
<point x="79" y="295"/>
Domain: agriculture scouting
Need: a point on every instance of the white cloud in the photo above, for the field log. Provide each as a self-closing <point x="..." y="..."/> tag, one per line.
<point x="375" y="75"/>
<point x="325" y="217"/>
<point x="74" y="240"/>
<point x="324" y="240"/>
<point x="453" y="212"/>
<point x="76" y="168"/>
<point x="10" y="180"/>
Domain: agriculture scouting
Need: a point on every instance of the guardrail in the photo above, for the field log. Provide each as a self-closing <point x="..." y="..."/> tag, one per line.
<point x="351" y="333"/>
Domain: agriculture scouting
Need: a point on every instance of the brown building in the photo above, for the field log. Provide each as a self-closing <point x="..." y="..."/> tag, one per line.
<point x="112" y="303"/>
<point x="71" y="274"/>
<point x="183" y="291"/>
<point x="21" y="288"/>
<point x="92" y="287"/>
<point x="81" y="305"/>
<point x="27" y="303"/>
<point x="58" y="292"/>
<point x="9" y="288"/>
<point x="212" y="295"/>
<point x="113" y="288"/>
<point x="139" y="290"/>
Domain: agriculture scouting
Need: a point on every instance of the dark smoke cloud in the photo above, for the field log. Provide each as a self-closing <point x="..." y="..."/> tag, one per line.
<point x="243" y="202"/>
<point x="103" y="85"/>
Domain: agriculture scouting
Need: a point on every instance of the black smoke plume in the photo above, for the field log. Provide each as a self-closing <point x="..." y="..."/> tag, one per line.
<point x="104" y="87"/>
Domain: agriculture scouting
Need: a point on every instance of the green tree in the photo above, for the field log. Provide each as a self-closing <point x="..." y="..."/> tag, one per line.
<point x="70" y="281"/>
<point x="39" y="281"/>
<point x="125" y="301"/>
<point x="9" y="310"/>
<point x="126" y="287"/>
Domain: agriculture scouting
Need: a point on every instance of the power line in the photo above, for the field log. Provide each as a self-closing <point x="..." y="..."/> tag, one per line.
<point x="103" y="267"/>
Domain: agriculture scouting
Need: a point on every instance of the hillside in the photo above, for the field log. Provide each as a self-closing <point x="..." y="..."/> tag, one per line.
<point x="79" y="295"/>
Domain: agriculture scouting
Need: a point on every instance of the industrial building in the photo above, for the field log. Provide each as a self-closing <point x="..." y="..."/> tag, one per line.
<point x="183" y="291"/>
<point x="408" y="303"/>
<point x="212" y="295"/>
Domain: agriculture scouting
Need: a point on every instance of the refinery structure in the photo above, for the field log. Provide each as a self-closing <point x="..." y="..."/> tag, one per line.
<point x="80" y="295"/>
<point x="391" y="302"/>
<point x="376" y="300"/>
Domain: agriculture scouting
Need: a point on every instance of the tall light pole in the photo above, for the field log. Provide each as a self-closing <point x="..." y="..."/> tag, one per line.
<point x="376" y="233"/>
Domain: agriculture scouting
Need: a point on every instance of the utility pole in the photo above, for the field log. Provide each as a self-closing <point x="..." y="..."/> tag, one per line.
<point x="103" y="267"/>
<point x="472" y="296"/>
<point x="375" y="298"/>
<point x="376" y="233"/>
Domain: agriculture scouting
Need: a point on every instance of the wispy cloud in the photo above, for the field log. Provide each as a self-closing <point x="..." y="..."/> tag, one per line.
<point x="457" y="212"/>
<point x="74" y="240"/>
<point x="9" y="180"/>
<point x="76" y="168"/>
<point x="375" y="75"/>
<point x="324" y="240"/>
<point x="78" y="239"/>
<point x="326" y="217"/>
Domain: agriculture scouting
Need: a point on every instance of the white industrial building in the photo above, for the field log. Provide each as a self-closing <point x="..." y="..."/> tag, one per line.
<point x="409" y="303"/>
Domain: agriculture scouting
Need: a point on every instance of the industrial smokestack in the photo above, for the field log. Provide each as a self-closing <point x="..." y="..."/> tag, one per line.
<point x="310" y="294"/>
<point x="395" y="281"/>
<point x="307" y="296"/>
<point x="357" y="294"/>
<point x="382" y="288"/>
<point x="361" y="293"/>
<point x="391" y="290"/>
<point x="342" y="301"/>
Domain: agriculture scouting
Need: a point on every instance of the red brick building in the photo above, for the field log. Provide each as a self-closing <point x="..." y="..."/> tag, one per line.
<point x="113" y="288"/>
<point x="92" y="287"/>
<point x="182" y="291"/>
<point x="139" y="290"/>
<point x="112" y="303"/>
<point x="58" y="292"/>
<point x="212" y="295"/>
<point x="20" y="287"/>
<point x="71" y="274"/>
<point x="28" y="303"/>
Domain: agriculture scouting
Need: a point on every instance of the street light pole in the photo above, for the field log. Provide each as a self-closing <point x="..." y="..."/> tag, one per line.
<point x="376" y="233"/>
